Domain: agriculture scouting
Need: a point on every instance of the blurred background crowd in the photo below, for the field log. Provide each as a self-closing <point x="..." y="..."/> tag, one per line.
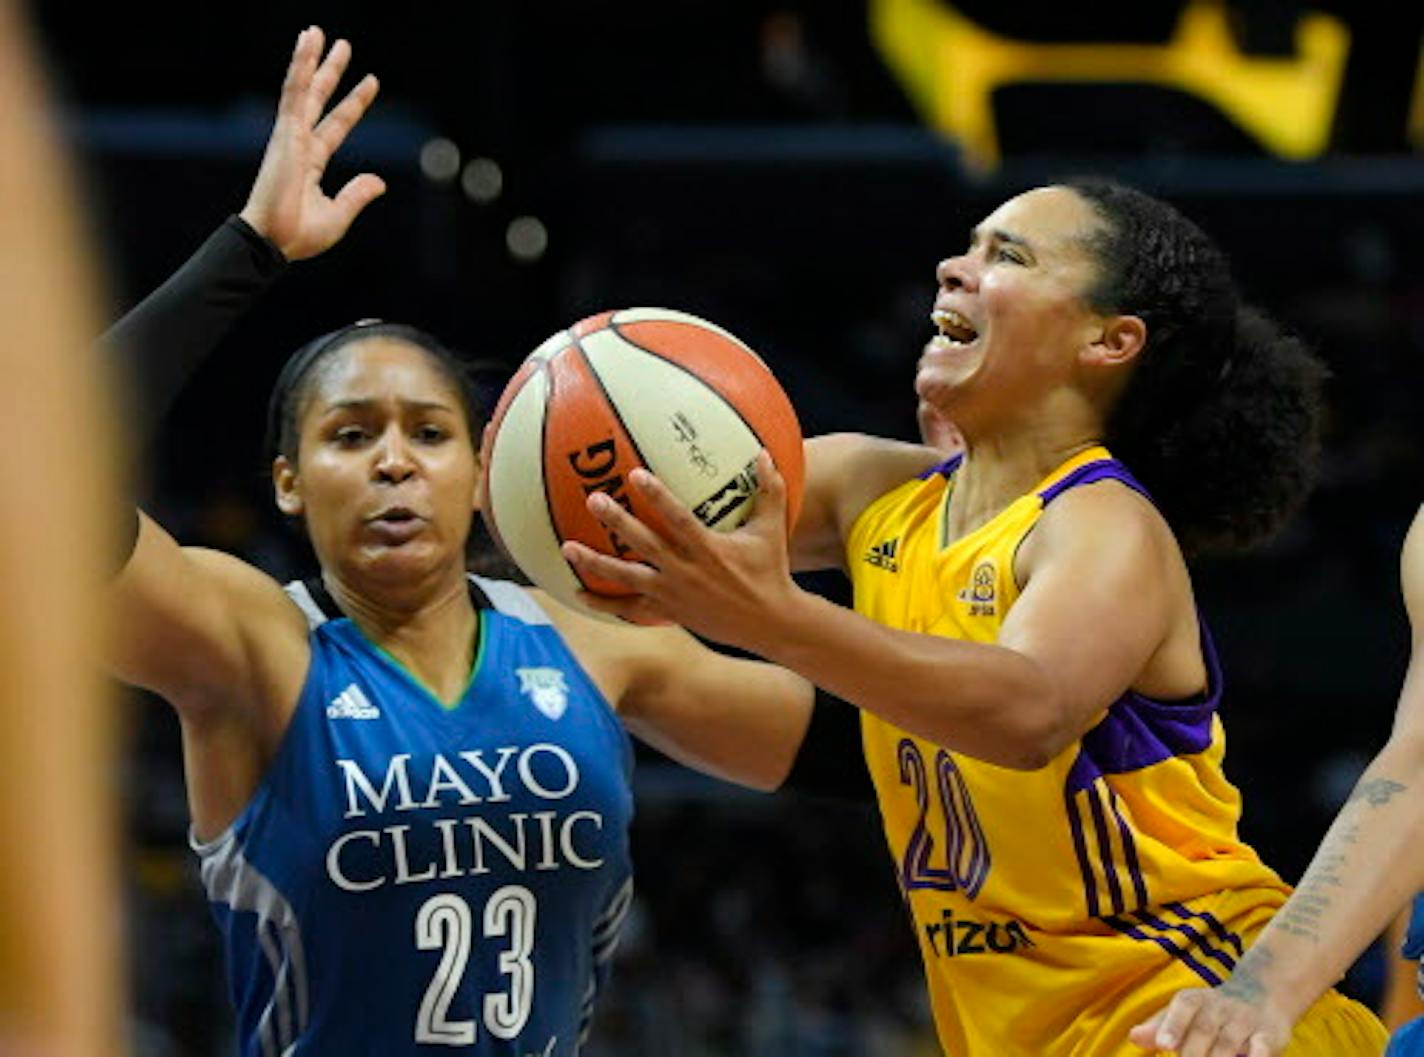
<point x="793" y="171"/>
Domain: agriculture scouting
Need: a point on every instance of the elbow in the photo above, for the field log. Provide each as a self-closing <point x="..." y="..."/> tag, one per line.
<point x="1040" y="736"/>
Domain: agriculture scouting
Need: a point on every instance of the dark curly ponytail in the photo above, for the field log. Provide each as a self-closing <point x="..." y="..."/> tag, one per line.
<point x="1221" y="418"/>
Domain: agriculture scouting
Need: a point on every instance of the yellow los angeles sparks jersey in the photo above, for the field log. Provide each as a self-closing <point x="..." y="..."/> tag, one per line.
<point x="1057" y="908"/>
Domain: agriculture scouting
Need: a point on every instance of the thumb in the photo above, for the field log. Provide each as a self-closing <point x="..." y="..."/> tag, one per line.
<point x="359" y="192"/>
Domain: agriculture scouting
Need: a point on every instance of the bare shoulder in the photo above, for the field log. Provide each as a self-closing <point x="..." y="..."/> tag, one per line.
<point x="845" y="473"/>
<point x="1108" y="519"/>
<point x="204" y="629"/>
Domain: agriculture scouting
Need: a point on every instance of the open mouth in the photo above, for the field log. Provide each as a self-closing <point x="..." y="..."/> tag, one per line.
<point x="954" y="329"/>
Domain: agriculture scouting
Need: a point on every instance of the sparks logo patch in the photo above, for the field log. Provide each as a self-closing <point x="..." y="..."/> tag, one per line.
<point x="882" y="555"/>
<point x="546" y="688"/>
<point x="981" y="596"/>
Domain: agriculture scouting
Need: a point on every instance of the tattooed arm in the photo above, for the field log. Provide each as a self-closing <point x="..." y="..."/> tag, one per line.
<point x="1367" y="867"/>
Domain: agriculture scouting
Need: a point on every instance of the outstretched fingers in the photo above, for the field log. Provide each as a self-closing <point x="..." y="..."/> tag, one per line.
<point x="324" y="81"/>
<point x="333" y="129"/>
<point x="293" y="103"/>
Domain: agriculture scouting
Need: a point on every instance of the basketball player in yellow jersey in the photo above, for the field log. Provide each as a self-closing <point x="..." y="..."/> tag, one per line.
<point x="60" y="994"/>
<point x="1039" y="695"/>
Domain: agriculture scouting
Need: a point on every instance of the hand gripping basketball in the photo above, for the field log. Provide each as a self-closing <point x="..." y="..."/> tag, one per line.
<point x="721" y="585"/>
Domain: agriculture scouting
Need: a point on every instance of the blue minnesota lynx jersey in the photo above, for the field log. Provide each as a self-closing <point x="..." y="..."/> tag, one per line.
<point x="416" y="879"/>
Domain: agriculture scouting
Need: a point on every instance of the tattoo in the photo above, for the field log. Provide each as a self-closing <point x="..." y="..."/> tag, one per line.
<point x="1245" y="983"/>
<point x="1377" y="791"/>
<point x="1307" y="909"/>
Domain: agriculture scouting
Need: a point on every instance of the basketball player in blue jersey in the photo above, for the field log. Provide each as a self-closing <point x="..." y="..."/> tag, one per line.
<point x="1038" y="694"/>
<point x="1369" y="865"/>
<point x="409" y="787"/>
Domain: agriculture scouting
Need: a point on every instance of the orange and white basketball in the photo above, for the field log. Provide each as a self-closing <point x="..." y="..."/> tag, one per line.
<point x="639" y="387"/>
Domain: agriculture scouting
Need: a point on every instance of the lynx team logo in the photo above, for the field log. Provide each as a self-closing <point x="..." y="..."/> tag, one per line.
<point x="546" y="688"/>
<point x="980" y="595"/>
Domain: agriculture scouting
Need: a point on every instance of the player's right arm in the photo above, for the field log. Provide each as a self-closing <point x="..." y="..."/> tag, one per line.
<point x="1366" y="869"/>
<point x="200" y="628"/>
<point x="845" y="473"/>
<point x="190" y="619"/>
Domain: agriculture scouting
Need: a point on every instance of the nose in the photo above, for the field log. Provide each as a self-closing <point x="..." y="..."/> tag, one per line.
<point x="956" y="273"/>
<point x="394" y="459"/>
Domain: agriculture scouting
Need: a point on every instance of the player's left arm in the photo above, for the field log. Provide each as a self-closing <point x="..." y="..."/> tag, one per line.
<point x="1366" y="869"/>
<point x="1094" y="609"/>
<point x="740" y="720"/>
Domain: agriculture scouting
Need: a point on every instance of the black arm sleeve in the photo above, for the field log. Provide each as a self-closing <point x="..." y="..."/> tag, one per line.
<point x="831" y="761"/>
<point x="164" y="338"/>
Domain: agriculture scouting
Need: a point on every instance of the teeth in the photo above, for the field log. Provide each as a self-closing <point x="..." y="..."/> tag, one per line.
<point x="953" y="326"/>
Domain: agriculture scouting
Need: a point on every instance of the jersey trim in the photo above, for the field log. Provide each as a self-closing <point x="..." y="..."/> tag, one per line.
<point x="232" y="881"/>
<point x="1090" y="473"/>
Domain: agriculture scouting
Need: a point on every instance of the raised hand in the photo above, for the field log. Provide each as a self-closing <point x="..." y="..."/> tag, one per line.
<point x="287" y="204"/>
<point x="724" y="586"/>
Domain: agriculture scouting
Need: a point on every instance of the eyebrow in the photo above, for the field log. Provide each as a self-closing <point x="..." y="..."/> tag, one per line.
<point x="1000" y="235"/>
<point x="369" y="403"/>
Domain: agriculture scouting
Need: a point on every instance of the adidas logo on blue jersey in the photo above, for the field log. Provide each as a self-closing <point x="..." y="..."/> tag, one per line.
<point x="351" y="703"/>
<point x="882" y="555"/>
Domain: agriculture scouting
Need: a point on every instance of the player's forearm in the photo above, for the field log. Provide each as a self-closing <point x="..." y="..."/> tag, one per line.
<point x="1367" y="867"/>
<point x="985" y="701"/>
<point x="162" y="340"/>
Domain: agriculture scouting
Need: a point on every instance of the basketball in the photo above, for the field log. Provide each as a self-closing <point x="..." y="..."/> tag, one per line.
<point x="644" y="387"/>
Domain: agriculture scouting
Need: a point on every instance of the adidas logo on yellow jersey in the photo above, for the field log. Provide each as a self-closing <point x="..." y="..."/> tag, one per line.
<point x="882" y="555"/>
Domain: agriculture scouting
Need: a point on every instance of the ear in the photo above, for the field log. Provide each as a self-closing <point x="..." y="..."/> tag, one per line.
<point x="286" y="485"/>
<point x="1118" y="341"/>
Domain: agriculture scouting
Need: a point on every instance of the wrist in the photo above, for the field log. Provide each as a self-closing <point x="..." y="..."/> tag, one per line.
<point x="249" y="224"/>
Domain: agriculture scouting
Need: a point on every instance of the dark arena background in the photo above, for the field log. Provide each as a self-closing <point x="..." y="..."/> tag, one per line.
<point x="792" y="171"/>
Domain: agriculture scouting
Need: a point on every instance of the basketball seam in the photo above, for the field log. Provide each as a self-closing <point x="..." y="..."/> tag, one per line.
<point x="722" y="397"/>
<point x="612" y="406"/>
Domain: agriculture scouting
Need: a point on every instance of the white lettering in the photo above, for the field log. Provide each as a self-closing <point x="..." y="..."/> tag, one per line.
<point x="515" y="858"/>
<point x="476" y="760"/>
<point x="333" y="861"/>
<point x="356" y="779"/>
<point x="566" y="838"/>
<point x="442" y="777"/>
<point x="446" y="826"/>
<point x="526" y="771"/>
<point x="546" y="833"/>
<point x="403" y="874"/>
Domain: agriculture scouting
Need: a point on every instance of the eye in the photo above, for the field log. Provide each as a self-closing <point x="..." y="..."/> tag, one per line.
<point x="350" y="436"/>
<point x="1008" y="253"/>
<point x="431" y="434"/>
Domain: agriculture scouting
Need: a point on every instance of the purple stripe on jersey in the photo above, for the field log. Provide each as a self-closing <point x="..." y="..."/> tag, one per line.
<point x="1105" y="850"/>
<point x="1129" y="848"/>
<point x="1139" y="731"/>
<point x="1099" y="470"/>
<point x="1183" y="956"/>
<point x="1197" y="939"/>
<point x="944" y="469"/>
<point x="1080" y="846"/>
<point x="1222" y="932"/>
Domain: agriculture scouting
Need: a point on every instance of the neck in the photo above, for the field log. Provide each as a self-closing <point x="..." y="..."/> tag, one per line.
<point x="1003" y="464"/>
<point x="431" y="631"/>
